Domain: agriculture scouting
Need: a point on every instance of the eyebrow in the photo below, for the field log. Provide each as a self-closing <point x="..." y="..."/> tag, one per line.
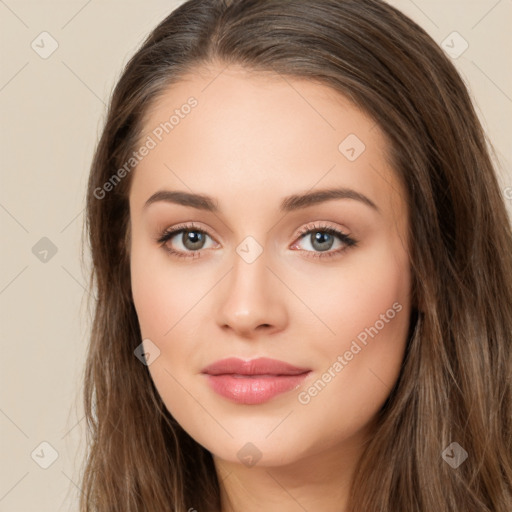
<point x="288" y="204"/>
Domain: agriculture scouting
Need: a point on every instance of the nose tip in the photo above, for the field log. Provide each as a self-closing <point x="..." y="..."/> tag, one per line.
<point x="250" y="300"/>
<point x="247" y="323"/>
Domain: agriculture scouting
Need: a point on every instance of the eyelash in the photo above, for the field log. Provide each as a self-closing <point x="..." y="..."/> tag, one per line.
<point x="349" y="242"/>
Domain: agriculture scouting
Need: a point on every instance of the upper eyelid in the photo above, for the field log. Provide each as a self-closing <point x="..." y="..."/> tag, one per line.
<point x="305" y="229"/>
<point x="321" y="225"/>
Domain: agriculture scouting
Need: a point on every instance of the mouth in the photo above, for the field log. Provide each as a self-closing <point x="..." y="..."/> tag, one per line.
<point x="253" y="382"/>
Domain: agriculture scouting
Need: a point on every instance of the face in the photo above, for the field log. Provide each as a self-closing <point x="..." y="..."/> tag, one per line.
<point x="287" y="241"/>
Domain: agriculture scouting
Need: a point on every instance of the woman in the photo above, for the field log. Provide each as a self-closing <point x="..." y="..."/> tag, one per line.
<point x="303" y="271"/>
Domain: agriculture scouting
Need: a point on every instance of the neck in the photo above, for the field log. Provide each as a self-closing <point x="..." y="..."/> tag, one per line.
<point x="319" y="481"/>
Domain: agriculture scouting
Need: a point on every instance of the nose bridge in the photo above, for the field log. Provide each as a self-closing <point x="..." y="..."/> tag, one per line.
<point x="250" y="297"/>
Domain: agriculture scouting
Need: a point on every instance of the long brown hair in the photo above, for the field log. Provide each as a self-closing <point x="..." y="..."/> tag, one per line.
<point x="455" y="384"/>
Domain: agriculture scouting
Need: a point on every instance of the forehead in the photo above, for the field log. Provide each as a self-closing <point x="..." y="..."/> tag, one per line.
<point x="230" y="132"/>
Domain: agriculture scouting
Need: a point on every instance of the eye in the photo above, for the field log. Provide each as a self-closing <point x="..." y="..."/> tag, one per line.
<point x="322" y="238"/>
<point x="188" y="241"/>
<point x="184" y="239"/>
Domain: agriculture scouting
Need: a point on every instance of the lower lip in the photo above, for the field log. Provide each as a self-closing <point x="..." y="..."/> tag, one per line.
<point x="253" y="390"/>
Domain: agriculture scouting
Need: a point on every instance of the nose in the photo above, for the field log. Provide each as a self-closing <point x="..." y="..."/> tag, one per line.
<point x="251" y="299"/>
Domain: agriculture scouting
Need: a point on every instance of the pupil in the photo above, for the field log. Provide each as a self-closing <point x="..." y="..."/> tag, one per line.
<point x="192" y="239"/>
<point x="320" y="239"/>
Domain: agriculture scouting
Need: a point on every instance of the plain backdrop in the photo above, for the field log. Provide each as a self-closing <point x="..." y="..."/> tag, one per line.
<point x="52" y="110"/>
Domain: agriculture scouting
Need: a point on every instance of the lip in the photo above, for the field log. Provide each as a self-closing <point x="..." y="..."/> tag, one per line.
<point x="255" y="381"/>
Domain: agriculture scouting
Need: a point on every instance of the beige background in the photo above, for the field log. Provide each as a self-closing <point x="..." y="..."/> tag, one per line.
<point x="52" y="111"/>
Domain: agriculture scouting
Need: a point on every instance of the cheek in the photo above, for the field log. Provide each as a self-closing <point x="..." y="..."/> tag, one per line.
<point x="169" y="301"/>
<point x="162" y="293"/>
<point x="370" y="292"/>
<point x="369" y="310"/>
<point x="163" y="296"/>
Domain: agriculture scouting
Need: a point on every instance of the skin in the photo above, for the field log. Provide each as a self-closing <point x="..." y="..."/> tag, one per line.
<point x="251" y="141"/>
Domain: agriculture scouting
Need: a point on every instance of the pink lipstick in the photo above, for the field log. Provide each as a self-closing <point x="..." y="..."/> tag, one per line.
<point x="255" y="381"/>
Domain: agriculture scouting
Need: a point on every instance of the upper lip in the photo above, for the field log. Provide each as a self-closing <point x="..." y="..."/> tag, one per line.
<point x="259" y="366"/>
